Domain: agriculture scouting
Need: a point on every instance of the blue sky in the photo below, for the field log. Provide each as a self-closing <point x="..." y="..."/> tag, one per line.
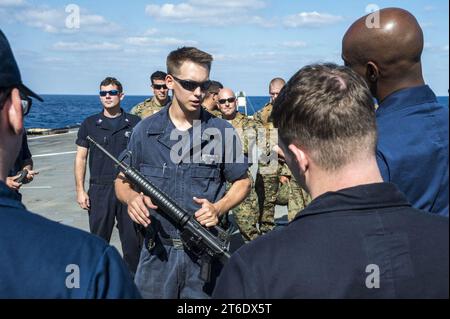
<point x="252" y="41"/>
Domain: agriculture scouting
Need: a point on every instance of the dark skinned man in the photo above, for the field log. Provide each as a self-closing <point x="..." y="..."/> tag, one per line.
<point x="412" y="149"/>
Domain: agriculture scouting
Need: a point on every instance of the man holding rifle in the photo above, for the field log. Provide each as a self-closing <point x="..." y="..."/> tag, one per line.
<point x="170" y="148"/>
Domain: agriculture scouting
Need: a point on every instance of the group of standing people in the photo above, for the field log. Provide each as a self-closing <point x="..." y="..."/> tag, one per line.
<point x="365" y="186"/>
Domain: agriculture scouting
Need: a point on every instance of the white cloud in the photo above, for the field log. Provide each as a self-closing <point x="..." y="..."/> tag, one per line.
<point x="424" y="25"/>
<point x="85" y="46"/>
<point x="429" y="8"/>
<point x="12" y="3"/>
<point x="53" y="20"/>
<point x="209" y="12"/>
<point x="235" y="4"/>
<point x="294" y="44"/>
<point x="147" y="41"/>
<point x="247" y="58"/>
<point x="52" y="59"/>
<point x="151" y="31"/>
<point x="262" y="22"/>
<point x="45" y="19"/>
<point x="429" y="47"/>
<point x="310" y="19"/>
<point x="226" y="57"/>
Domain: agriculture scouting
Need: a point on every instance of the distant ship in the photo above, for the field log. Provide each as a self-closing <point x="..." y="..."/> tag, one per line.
<point x="243" y="103"/>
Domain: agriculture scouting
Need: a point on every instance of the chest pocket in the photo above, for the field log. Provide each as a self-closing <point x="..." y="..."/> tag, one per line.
<point x="205" y="180"/>
<point x="159" y="176"/>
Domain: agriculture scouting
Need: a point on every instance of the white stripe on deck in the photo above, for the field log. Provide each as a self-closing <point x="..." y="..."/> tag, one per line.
<point x="54" y="154"/>
<point x="36" y="187"/>
<point x="52" y="135"/>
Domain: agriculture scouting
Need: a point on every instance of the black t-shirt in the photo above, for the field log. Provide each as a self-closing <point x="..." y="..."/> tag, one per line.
<point x="113" y="135"/>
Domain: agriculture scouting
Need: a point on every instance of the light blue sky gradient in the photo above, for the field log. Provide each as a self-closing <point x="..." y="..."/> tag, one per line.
<point x="252" y="40"/>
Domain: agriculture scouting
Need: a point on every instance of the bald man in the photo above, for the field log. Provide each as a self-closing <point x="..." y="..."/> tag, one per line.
<point x="268" y="183"/>
<point x="263" y="115"/>
<point x="246" y="214"/>
<point x="412" y="149"/>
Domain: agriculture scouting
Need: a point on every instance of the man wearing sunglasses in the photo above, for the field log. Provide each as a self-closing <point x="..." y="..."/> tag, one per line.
<point x="211" y="98"/>
<point x="278" y="186"/>
<point x="160" y="97"/>
<point x="268" y="183"/>
<point x="246" y="214"/>
<point x="41" y="258"/>
<point x="194" y="176"/>
<point x="111" y="128"/>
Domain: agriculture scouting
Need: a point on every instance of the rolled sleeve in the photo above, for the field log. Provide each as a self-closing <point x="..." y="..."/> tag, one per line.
<point x="82" y="136"/>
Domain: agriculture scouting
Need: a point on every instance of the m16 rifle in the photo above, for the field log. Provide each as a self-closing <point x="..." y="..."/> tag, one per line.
<point x="202" y="242"/>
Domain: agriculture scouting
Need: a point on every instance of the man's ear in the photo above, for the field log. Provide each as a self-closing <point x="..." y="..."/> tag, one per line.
<point x="372" y="72"/>
<point x="169" y="82"/>
<point x="13" y="109"/>
<point x="299" y="157"/>
<point x="122" y="95"/>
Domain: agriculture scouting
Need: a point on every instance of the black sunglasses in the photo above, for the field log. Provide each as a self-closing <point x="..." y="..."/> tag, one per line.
<point x="192" y="85"/>
<point x="230" y="100"/>
<point x="111" y="93"/>
<point x="25" y="100"/>
<point x="159" y="86"/>
<point x="26" y="104"/>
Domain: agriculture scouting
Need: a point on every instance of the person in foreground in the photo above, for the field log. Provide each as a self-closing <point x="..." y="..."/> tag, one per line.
<point x="412" y="147"/>
<point x="41" y="258"/>
<point x="359" y="237"/>
<point x="174" y="149"/>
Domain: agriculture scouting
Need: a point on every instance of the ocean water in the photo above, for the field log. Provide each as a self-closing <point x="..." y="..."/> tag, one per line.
<point x="58" y="111"/>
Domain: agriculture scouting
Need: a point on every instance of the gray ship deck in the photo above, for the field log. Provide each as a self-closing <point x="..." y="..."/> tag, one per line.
<point x="52" y="193"/>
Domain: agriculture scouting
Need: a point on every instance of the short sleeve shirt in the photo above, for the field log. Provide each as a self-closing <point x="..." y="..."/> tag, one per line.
<point x="113" y="138"/>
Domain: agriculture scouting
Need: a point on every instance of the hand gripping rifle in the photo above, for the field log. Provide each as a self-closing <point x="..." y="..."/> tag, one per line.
<point x="197" y="239"/>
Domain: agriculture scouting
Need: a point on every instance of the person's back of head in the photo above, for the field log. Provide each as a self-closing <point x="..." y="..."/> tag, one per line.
<point x="13" y="96"/>
<point x="64" y="262"/>
<point x="387" y="55"/>
<point x="326" y="113"/>
<point x="328" y="110"/>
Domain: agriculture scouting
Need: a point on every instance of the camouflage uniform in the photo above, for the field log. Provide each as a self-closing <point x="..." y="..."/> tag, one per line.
<point x="283" y="191"/>
<point x="215" y="112"/>
<point x="148" y="107"/>
<point x="263" y="115"/>
<point x="267" y="184"/>
<point x="246" y="214"/>
<point x="297" y="197"/>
